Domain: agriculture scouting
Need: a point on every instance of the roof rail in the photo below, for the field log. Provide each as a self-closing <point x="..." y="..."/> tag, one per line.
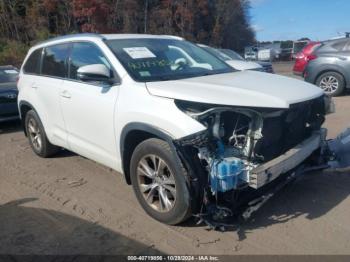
<point x="174" y="37"/>
<point x="69" y="36"/>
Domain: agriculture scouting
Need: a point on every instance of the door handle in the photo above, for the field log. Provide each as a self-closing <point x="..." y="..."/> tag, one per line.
<point x="65" y="94"/>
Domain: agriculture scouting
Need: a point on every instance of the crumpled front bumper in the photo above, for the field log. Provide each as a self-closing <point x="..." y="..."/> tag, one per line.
<point x="267" y="172"/>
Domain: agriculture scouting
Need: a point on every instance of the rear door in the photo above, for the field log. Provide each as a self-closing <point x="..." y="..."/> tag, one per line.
<point x="88" y="107"/>
<point x="46" y="86"/>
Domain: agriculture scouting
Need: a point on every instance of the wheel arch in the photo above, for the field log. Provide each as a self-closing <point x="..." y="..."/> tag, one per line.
<point x="24" y="108"/>
<point x="329" y="70"/>
<point x="131" y="136"/>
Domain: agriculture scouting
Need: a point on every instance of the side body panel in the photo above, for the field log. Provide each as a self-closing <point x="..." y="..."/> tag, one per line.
<point x="339" y="62"/>
<point x="43" y="94"/>
<point x="136" y="105"/>
<point x="88" y="111"/>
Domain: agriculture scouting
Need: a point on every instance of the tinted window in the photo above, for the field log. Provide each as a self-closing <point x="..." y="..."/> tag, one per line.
<point x="232" y="54"/>
<point x="54" y="61"/>
<point x="32" y="65"/>
<point x="85" y="54"/>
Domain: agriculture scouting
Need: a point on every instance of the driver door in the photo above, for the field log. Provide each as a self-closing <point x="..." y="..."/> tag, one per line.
<point x="88" y="107"/>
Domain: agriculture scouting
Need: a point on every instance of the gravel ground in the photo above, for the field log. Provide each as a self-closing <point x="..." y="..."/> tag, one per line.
<point x="71" y="205"/>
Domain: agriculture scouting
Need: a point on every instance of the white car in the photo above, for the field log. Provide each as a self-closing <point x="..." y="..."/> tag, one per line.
<point x="238" y="64"/>
<point x="185" y="133"/>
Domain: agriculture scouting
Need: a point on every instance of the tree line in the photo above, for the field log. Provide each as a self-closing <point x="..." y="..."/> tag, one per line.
<point x="221" y="23"/>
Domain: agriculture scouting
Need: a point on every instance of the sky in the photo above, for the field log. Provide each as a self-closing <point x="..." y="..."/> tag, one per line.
<point x="294" y="19"/>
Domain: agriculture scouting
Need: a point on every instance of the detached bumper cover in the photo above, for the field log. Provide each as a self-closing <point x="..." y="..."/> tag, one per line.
<point x="271" y="170"/>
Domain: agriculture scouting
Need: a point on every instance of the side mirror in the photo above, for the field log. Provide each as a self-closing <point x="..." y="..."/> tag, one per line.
<point x="94" y="73"/>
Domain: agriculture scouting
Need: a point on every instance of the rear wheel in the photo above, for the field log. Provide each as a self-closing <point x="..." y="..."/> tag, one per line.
<point x="332" y="83"/>
<point x="159" y="182"/>
<point x="37" y="136"/>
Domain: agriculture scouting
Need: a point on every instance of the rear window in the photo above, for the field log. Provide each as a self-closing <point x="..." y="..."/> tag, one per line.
<point x="55" y="60"/>
<point x="32" y="65"/>
<point x="8" y="75"/>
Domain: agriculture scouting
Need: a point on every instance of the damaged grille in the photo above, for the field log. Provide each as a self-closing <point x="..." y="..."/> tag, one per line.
<point x="284" y="132"/>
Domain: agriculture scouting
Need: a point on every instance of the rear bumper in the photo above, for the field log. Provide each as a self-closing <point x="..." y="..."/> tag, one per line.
<point x="266" y="173"/>
<point x="8" y="112"/>
<point x="297" y="73"/>
<point x="9" y="118"/>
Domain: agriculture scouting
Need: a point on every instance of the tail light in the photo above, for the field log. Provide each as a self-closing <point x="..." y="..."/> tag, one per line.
<point x="299" y="55"/>
<point x="311" y="57"/>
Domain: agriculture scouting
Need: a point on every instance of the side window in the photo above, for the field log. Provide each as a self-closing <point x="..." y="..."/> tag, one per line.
<point x="55" y="60"/>
<point x="85" y="54"/>
<point x="32" y="65"/>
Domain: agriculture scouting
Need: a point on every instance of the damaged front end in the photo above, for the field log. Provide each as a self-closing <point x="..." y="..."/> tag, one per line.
<point x="243" y="150"/>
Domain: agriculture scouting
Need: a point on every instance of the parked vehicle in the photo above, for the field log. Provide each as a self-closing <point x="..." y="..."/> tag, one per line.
<point x="8" y="93"/>
<point x="298" y="46"/>
<point x="250" y="56"/>
<point x="286" y="54"/>
<point x="235" y="60"/>
<point x="330" y="67"/>
<point x="265" y="55"/>
<point x="188" y="137"/>
<point x="303" y="58"/>
<point x="267" y="66"/>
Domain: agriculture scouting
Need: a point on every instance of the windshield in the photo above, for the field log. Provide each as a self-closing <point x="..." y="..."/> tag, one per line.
<point x="8" y="75"/>
<point x="148" y="59"/>
<point x="217" y="53"/>
<point x="232" y="54"/>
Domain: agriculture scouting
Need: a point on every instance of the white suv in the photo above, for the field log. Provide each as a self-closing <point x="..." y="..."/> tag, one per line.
<point x="186" y="133"/>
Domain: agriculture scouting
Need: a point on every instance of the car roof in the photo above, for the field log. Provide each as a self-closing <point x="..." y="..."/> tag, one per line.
<point x="138" y="36"/>
<point x="332" y="41"/>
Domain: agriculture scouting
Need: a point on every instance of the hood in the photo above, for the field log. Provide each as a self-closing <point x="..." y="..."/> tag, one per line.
<point x="264" y="63"/>
<point x="244" y="88"/>
<point x="243" y="65"/>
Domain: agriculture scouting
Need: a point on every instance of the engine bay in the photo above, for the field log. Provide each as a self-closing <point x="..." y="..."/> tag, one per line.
<point x="239" y="140"/>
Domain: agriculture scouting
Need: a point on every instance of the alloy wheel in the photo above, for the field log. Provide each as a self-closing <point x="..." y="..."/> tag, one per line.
<point x="329" y="84"/>
<point x="35" y="134"/>
<point x="156" y="183"/>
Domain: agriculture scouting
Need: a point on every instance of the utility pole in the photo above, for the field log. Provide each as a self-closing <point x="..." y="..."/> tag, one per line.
<point x="146" y="16"/>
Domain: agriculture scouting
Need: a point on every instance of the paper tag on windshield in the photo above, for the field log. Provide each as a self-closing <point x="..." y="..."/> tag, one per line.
<point x="11" y="72"/>
<point x="139" y="52"/>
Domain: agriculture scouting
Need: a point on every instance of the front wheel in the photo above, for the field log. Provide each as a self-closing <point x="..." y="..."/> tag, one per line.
<point x="332" y="83"/>
<point x="159" y="182"/>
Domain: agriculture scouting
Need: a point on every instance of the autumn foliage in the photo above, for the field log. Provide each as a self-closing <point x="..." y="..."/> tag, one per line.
<point x="223" y="23"/>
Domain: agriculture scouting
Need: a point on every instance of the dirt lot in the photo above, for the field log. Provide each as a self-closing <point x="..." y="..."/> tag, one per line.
<point x="71" y="205"/>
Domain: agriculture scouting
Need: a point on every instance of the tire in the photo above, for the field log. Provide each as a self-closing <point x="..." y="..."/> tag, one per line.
<point x="37" y="137"/>
<point x="166" y="190"/>
<point x="332" y="83"/>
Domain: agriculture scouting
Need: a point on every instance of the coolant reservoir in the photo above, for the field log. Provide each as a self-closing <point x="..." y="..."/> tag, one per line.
<point x="225" y="174"/>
